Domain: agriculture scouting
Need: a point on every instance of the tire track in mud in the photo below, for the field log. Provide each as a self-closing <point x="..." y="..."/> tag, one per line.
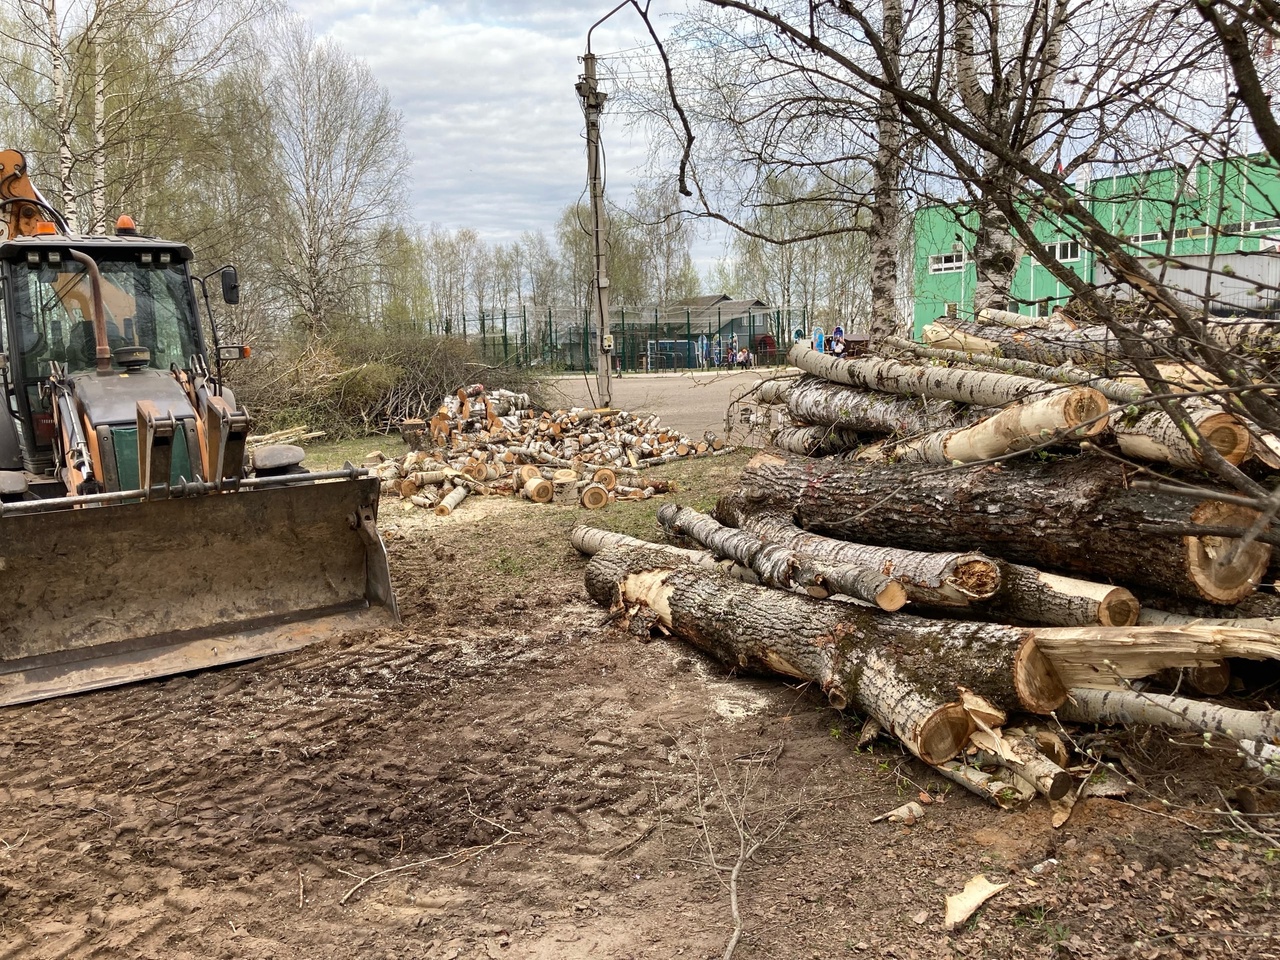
<point x="151" y="810"/>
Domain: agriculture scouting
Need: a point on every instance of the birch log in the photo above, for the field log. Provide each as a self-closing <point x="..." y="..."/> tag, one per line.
<point x="1073" y="413"/>
<point x="815" y="441"/>
<point x="907" y="672"/>
<point x="1153" y="436"/>
<point x="1075" y="515"/>
<point x="816" y="401"/>
<point x="1118" y="391"/>
<point x="979" y="387"/>
<point x="935" y="579"/>
<point x="778" y="566"/>
<point x="1087" y="346"/>
<point x="590" y="541"/>
<point x="450" y="503"/>
<point x="1178" y="713"/>
<point x="1031" y="596"/>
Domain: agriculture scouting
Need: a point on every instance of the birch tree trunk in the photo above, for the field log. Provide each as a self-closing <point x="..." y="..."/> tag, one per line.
<point x="820" y="402"/>
<point x="1074" y="413"/>
<point x="978" y="387"/>
<point x="778" y="566"/>
<point x="1177" y="713"/>
<point x="935" y="579"/>
<point x="98" y="196"/>
<point x="1115" y="390"/>
<point x="62" y="107"/>
<point x="886" y="213"/>
<point x="1153" y="436"/>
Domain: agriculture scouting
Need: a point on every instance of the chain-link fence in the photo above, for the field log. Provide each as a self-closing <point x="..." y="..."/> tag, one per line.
<point x="648" y="339"/>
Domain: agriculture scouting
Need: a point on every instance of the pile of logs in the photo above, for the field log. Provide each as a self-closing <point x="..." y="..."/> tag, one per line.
<point x="941" y="602"/>
<point x="496" y="442"/>
<point x="977" y="407"/>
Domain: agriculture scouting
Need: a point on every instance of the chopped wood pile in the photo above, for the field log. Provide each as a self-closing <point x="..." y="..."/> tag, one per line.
<point x="496" y="442"/>
<point x="970" y="607"/>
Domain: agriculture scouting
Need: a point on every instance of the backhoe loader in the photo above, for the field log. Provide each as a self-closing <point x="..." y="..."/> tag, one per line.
<point x="138" y="537"/>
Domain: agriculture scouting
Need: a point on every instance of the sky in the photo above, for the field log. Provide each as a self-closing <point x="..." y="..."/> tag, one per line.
<point x="486" y="92"/>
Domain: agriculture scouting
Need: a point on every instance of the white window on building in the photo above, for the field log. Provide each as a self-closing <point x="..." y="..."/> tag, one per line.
<point x="1264" y="224"/>
<point x="948" y="262"/>
<point x="1147" y="237"/>
<point x="1191" y="233"/>
<point x="1064" y="250"/>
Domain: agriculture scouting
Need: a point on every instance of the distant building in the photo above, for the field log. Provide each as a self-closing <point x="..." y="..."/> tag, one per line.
<point x="1225" y="214"/>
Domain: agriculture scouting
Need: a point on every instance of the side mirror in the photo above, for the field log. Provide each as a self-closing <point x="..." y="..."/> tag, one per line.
<point x="230" y="285"/>
<point x="235" y="352"/>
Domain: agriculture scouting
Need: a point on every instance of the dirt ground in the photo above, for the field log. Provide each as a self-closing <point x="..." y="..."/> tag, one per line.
<point x="508" y="775"/>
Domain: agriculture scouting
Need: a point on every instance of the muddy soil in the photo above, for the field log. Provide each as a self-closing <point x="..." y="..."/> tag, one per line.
<point x="507" y="775"/>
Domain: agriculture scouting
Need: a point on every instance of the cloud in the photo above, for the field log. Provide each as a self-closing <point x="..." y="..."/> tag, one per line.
<point x="486" y="92"/>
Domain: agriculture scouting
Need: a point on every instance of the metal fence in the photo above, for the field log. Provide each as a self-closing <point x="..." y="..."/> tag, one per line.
<point x="650" y="339"/>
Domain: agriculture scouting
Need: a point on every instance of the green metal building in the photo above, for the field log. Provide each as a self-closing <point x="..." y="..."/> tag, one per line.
<point x="1226" y="213"/>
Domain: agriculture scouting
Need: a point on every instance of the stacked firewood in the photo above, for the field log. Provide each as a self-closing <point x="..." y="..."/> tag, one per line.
<point x="941" y="602"/>
<point x="496" y="442"/>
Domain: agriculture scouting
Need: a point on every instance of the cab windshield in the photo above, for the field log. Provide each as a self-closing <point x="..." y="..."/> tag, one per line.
<point x="146" y="306"/>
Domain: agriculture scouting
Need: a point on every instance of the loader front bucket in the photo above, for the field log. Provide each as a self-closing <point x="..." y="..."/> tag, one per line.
<point x="104" y="595"/>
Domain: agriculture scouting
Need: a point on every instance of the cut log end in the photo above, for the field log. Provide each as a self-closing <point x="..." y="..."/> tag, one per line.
<point x="1218" y="581"/>
<point x="892" y="596"/>
<point x="594" y="496"/>
<point x="1228" y="436"/>
<point x="1086" y="410"/>
<point x="944" y="733"/>
<point x="1119" y="608"/>
<point x="1036" y="680"/>
<point x="539" y="490"/>
<point x="977" y="579"/>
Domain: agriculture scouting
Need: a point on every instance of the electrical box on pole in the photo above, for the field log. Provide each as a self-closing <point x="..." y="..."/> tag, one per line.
<point x="592" y="105"/>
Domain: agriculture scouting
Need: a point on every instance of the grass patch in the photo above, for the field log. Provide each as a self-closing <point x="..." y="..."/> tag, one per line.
<point x="332" y="454"/>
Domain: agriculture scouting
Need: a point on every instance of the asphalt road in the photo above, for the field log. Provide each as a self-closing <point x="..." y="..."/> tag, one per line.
<point x="691" y="402"/>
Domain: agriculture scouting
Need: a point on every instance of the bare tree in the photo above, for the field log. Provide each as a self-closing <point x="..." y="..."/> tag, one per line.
<point x="342" y="163"/>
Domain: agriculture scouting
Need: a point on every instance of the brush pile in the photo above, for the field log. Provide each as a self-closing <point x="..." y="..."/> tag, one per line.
<point x="497" y="443"/>
<point x="948" y="603"/>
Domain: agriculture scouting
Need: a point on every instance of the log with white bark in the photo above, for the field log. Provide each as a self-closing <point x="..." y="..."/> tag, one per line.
<point x="1178" y="713"/>
<point x="1031" y="596"/>
<point x="1005" y="592"/>
<point x="450" y="503"/>
<point x="815" y="441"/>
<point x="1073" y="413"/>
<point x="1087" y="346"/>
<point x="1118" y="391"/>
<point x="779" y="566"/>
<point x="1021" y="321"/>
<point x="773" y="390"/>
<point x="920" y="678"/>
<point x="934" y="579"/>
<point x="816" y="401"/>
<point x="590" y="540"/>
<point x="979" y="387"/>
<point x="1076" y="515"/>
<point x="1154" y="436"/>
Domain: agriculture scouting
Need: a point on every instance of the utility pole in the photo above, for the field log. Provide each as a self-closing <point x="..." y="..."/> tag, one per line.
<point x="592" y="104"/>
